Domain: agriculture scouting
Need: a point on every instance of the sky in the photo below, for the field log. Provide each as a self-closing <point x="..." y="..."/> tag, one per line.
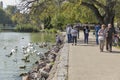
<point x="9" y="2"/>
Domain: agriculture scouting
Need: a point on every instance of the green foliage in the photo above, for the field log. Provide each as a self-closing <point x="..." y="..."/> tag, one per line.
<point x="47" y="23"/>
<point x="26" y="28"/>
<point x="11" y="10"/>
<point x="53" y="30"/>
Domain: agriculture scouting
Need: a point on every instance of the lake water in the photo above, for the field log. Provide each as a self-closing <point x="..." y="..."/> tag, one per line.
<point x="9" y="66"/>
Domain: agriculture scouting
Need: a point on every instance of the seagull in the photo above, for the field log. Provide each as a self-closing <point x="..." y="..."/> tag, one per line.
<point x="41" y="54"/>
<point x="30" y="44"/>
<point x="14" y="50"/>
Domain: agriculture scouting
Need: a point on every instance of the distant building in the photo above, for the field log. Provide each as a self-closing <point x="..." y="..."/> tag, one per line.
<point x="1" y="4"/>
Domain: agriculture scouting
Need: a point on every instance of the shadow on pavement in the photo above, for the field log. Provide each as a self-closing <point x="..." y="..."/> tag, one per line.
<point x="115" y="52"/>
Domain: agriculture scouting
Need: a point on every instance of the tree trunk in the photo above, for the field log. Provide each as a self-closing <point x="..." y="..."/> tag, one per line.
<point x="108" y="17"/>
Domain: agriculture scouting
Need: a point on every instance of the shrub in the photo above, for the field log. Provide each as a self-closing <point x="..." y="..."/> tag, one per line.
<point x="26" y="28"/>
<point x="53" y="30"/>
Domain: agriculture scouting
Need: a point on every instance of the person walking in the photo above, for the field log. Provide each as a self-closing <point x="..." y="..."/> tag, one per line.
<point x="74" y="33"/>
<point x="78" y="29"/>
<point x="101" y="37"/>
<point x="86" y="31"/>
<point x="109" y="37"/>
<point x="97" y="28"/>
<point x="68" y="32"/>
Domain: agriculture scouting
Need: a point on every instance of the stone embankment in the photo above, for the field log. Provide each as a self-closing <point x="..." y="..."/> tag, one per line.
<point x="53" y="66"/>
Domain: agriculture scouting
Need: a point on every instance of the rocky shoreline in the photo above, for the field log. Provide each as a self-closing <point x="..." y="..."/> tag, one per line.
<point x="45" y="68"/>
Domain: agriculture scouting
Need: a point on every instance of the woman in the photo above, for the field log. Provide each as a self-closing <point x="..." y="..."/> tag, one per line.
<point x="101" y="37"/>
<point x="86" y="34"/>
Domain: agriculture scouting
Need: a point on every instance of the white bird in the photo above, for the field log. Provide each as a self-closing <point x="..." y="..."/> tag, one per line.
<point x="41" y="54"/>
<point x="30" y="44"/>
<point x="14" y="50"/>
<point x="35" y="51"/>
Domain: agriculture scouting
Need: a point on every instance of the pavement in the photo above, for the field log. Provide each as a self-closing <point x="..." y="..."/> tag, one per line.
<point x="86" y="62"/>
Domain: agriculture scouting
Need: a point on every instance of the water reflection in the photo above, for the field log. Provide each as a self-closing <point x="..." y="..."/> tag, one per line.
<point x="10" y="66"/>
<point x="43" y="37"/>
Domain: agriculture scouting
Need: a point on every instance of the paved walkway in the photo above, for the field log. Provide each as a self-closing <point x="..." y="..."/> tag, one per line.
<point x="86" y="62"/>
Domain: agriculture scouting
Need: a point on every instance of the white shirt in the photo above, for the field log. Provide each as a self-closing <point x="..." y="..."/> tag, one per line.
<point x="68" y="30"/>
<point x="74" y="32"/>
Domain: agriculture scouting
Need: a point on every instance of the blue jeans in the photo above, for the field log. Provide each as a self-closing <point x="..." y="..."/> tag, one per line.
<point x="97" y="41"/>
<point x="69" y="36"/>
<point x="86" y="38"/>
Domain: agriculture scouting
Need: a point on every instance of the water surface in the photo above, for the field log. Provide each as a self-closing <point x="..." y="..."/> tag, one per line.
<point x="9" y="66"/>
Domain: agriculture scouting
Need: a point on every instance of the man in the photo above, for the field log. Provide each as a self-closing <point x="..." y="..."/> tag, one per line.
<point x="97" y="28"/>
<point x="74" y="33"/>
<point x="68" y="32"/>
<point x="109" y="37"/>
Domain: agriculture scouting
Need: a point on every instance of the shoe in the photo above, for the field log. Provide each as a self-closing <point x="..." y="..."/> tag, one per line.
<point x="110" y="50"/>
<point x="107" y="50"/>
<point x="101" y="50"/>
<point x="75" y="44"/>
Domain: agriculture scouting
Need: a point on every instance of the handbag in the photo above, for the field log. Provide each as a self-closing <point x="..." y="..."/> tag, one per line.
<point x="101" y="38"/>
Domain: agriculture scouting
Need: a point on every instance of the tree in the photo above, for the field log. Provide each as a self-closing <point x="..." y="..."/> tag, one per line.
<point x="104" y="10"/>
<point x="78" y="10"/>
<point x="11" y="10"/>
<point x="4" y="18"/>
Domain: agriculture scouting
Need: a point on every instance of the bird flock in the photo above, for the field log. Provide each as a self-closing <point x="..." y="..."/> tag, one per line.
<point x="28" y="50"/>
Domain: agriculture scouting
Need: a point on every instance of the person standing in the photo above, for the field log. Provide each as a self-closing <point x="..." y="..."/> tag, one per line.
<point x="78" y="29"/>
<point x="86" y="31"/>
<point x="68" y="32"/>
<point x="109" y="37"/>
<point x="101" y="37"/>
<point x="97" y="28"/>
<point x="74" y="33"/>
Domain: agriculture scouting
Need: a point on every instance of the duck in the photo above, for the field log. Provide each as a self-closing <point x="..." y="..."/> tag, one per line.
<point x="45" y="44"/>
<point x="22" y="37"/>
<point x="27" y="61"/>
<point x="9" y="55"/>
<point x="22" y="67"/>
<point x="41" y="46"/>
<point x="23" y="74"/>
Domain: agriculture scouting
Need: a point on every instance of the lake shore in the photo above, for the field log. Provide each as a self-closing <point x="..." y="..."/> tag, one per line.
<point x="46" y="67"/>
